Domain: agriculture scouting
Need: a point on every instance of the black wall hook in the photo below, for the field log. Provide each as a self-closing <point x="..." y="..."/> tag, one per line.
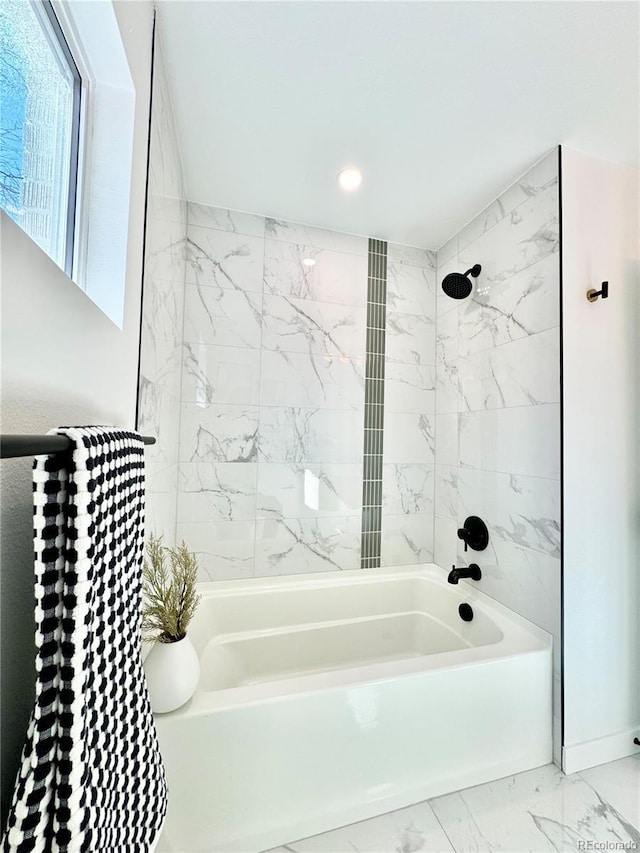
<point x="592" y="295"/>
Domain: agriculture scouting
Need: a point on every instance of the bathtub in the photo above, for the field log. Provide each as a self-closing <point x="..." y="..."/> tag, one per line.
<point x="327" y="699"/>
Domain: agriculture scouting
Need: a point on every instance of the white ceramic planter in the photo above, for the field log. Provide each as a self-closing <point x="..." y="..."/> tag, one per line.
<point x="172" y="671"/>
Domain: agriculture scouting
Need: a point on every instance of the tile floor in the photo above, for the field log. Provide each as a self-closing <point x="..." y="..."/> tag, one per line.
<point x="598" y="809"/>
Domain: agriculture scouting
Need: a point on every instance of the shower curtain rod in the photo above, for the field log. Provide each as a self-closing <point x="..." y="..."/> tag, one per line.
<point x="12" y="446"/>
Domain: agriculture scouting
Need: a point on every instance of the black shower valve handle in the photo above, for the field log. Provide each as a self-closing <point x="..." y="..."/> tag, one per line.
<point x="462" y="534"/>
<point x="474" y="533"/>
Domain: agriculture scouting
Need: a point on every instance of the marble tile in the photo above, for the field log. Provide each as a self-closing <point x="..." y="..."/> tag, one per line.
<point x="525" y="236"/>
<point x="521" y="373"/>
<point x="409" y="437"/>
<point x="404" y="831"/>
<point x="160" y="364"/>
<point x="446" y="491"/>
<point x="157" y="416"/>
<point x="407" y="539"/>
<point x="316" y="238"/>
<point x="409" y="388"/>
<point x="216" y="491"/>
<point x="411" y="290"/>
<point x="397" y="253"/>
<point x="296" y="545"/>
<point x="218" y="433"/>
<point x="407" y="488"/>
<point x="447" y="388"/>
<point x="309" y="491"/>
<point x="521" y="440"/>
<point x="160" y="510"/>
<point x="165" y="208"/>
<point x="223" y="259"/>
<point x="410" y="339"/>
<point x="165" y="250"/>
<point x="523" y="511"/>
<point x="447" y="439"/>
<point x="162" y="314"/>
<point x="311" y="380"/>
<point x="445" y="549"/>
<point x="221" y="219"/>
<point x="618" y="783"/>
<point x="213" y="315"/>
<point x="303" y="325"/>
<point x="445" y="303"/>
<point x="523" y="305"/>
<point x="224" y="549"/>
<point x="525" y="580"/>
<point x="213" y="374"/>
<point x="335" y="277"/>
<point x="541" y="177"/>
<point x="447" y="337"/>
<point x="542" y="810"/>
<point x="310" y="435"/>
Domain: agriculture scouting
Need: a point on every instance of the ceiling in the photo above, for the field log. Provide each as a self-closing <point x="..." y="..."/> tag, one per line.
<point x="441" y="104"/>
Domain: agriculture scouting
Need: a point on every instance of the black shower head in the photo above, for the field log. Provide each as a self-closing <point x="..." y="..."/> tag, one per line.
<point x="457" y="285"/>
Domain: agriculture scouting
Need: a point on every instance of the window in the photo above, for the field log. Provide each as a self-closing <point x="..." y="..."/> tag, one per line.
<point x="39" y="124"/>
<point x="67" y="115"/>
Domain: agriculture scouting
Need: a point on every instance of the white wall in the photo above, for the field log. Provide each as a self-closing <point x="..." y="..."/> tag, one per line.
<point x="601" y="461"/>
<point x="63" y="361"/>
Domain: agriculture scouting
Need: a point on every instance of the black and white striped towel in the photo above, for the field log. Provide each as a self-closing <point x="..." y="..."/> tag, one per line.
<point x="91" y="777"/>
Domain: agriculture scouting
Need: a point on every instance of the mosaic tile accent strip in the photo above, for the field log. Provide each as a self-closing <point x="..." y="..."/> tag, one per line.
<point x="374" y="405"/>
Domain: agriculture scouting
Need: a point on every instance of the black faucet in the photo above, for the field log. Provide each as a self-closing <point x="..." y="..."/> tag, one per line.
<point x="472" y="571"/>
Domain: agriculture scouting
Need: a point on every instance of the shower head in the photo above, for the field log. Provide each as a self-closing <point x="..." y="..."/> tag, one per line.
<point x="457" y="285"/>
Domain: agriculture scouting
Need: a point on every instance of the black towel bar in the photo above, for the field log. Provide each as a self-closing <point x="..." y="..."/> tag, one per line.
<point x="12" y="446"/>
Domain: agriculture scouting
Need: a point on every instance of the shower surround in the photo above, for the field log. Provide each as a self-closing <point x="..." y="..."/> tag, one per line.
<point x="498" y="401"/>
<point x="273" y="391"/>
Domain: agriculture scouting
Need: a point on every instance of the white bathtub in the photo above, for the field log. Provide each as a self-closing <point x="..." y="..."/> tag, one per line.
<point x="331" y="698"/>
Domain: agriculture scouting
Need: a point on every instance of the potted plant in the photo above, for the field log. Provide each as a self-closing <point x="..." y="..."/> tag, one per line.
<point x="172" y="667"/>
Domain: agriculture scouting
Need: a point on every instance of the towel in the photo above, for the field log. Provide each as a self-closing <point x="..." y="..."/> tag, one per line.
<point x="91" y="777"/>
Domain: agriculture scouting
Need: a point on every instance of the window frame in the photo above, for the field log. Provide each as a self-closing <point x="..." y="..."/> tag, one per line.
<point x="57" y="39"/>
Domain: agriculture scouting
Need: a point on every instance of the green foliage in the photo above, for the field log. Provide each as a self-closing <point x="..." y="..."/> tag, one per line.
<point x="170" y="598"/>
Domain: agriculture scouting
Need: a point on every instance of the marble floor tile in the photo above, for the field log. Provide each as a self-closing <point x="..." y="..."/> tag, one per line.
<point x="618" y="782"/>
<point x="404" y="831"/>
<point x="541" y="810"/>
<point x="533" y="812"/>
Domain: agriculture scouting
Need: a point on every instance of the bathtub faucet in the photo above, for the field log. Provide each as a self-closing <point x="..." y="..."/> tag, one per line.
<point x="472" y="571"/>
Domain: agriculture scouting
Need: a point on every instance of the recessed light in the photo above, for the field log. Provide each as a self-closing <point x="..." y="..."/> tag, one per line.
<point x="309" y="262"/>
<point x="349" y="179"/>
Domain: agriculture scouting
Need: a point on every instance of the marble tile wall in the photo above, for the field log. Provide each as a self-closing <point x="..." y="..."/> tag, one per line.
<point x="409" y="407"/>
<point x="270" y="468"/>
<point x="497" y="400"/>
<point x="162" y="311"/>
<point x="272" y="401"/>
